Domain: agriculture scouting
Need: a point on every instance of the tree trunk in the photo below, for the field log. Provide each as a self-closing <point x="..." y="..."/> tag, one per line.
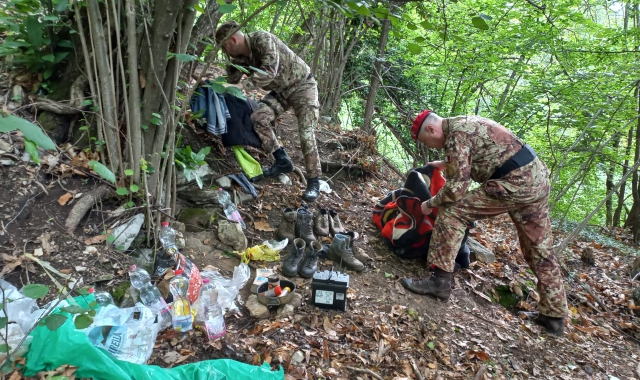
<point x="625" y="169"/>
<point x="611" y="171"/>
<point x="634" y="216"/>
<point x="134" y="90"/>
<point x="375" y="77"/>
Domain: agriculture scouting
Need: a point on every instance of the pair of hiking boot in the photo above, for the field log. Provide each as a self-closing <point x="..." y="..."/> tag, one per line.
<point x="302" y="259"/>
<point x="296" y="224"/>
<point x="341" y="252"/>
<point x="439" y="286"/>
<point x="284" y="165"/>
<point x="327" y="223"/>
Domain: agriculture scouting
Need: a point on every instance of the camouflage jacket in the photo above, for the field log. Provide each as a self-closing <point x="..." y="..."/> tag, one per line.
<point x="282" y="68"/>
<point x="474" y="148"/>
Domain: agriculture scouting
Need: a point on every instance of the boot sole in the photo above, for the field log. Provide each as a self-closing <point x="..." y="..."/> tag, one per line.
<point x="423" y="293"/>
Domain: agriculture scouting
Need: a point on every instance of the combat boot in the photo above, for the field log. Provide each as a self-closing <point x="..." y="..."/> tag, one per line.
<point x="438" y="285"/>
<point x="310" y="263"/>
<point x="292" y="262"/>
<point x="341" y="253"/>
<point x="304" y="225"/>
<point x="286" y="229"/>
<point x="552" y="325"/>
<point x="313" y="190"/>
<point x="283" y="164"/>
<point x="321" y="223"/>
<point x="335" y="226"/>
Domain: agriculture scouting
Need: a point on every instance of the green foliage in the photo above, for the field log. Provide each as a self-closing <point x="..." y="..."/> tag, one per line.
<point x="102" y="171"/>
<point x="190" y="161"/>
<point x="54" y="321"/>
<point x="31" y="132"/>
<point x="35" y="290"/>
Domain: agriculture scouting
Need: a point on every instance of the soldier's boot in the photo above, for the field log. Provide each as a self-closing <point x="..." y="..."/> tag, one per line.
<point x="286" y="229"/>
<point x="292" y="262"/>
<point x="335" y="226"/>
<point x="552" y="325"/>
<point x="321" y="223"/>
<point x="341" y="253"/>
<point x="304" y="225"/>
<point x="313" y="190"/>
<point x="438" y="285"/>
<point x="283" y="164"/>
<point x="310" y="263"/>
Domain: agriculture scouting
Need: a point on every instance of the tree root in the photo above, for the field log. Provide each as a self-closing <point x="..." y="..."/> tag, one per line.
<point x="367" y="371"/>
<point x="480" y="374"/>
<point x="299" y="173"/>
<point x="55" y="107"/>
<point x="83" y="205"/>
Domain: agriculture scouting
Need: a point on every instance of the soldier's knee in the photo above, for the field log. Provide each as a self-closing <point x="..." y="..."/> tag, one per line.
<point x="263" y="115"/>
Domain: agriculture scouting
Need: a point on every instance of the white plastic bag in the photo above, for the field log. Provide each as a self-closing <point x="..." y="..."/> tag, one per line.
<point x="276" y="245"/>
<point x="228" y="289"/>
<point x="14" y="338"/>
<point x="324" y="187"/>
<point x="128" y="334"/>
<point x="20" y="309"/>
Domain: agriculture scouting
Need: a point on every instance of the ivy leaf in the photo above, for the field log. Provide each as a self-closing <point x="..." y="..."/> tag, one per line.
<point x="134" y="188"/>
<point x="83" y="321"/>
<point x="35" y="291"/>
<point x="479" y="23"/>
<point x="102" y="171"/>
<point x="4" y="348"/>
<point x="64" y="43"/>
<point x="414" y="48"/>
<point x="128" y="172"/>
<point x="217" y="87"/>
<point x="29" y="130"/>
<point x="54" y="321"/>
<point x="122" y="191"/>
<point x="111" y="239"/>
<point x="412" y="27"/>
<point x="3" y="322"/>
<point x="227" y="8"/>
<point x="431" y="346"/>
<point x="235" y="91"/>
<point x="47" y="73"/>
<point x="427" y="25"/>
<point x="49" y="57"/>
<point x="32" y="149"/>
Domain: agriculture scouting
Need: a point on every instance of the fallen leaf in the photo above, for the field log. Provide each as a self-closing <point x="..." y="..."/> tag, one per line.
<point x="257" y="330"/>
<point x="65" y="271"/>
<point x="217" y="344"/>
<point x="45" y="240"/>
<point x="15" y="376"/>
<point x="65" y="198"/>
<point x="478" y="354"/>
<point x="309" y="333"/>
<point x="261" y="225"/>
<point x="327" y="325"/>
<point x="95" y="239"/>
<point x="433" y="365"/>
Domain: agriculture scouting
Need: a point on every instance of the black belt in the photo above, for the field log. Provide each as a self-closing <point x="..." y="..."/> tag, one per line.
<point x="523" y="157"/>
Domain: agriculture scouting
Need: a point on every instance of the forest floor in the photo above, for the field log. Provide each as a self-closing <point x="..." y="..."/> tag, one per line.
<point x="386" y="332"/>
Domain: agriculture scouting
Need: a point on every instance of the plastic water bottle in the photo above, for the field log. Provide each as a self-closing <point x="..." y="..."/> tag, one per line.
<point x="168" y="238"/>
<point x="181" y="310"/>
<point x="150" y="295"/>
<point x="103" y="298"/>
<point x="230" y="209"/>
<point x="213" y="316"/>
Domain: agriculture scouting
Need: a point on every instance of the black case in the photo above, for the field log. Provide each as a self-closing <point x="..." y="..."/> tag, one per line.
<point x="329" y="290"/>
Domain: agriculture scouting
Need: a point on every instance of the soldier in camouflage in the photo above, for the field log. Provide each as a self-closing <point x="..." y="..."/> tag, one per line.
<point x="273" y="66"/>
<point x="513" y="180"/>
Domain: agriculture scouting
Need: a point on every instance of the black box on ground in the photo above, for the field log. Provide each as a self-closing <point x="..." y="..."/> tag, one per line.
<point x="329" y="290"/>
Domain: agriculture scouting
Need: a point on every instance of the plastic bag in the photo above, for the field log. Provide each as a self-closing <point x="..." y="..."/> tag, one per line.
<point x="228" y="289"/>
<point x="324" y="187"/>
<point x="22" y="310"/>
<point x="267" y="251"/>
<point x="13" y="338"/>
<point x="66" y="345"/>
<point x="128" y="334"/>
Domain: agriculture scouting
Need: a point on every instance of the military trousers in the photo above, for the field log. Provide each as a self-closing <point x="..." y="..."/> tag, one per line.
<point x="304" y="101"/>
<point x="524" y="194"/>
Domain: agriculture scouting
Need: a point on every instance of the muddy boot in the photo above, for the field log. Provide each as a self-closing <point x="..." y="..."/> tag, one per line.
<point x="292" y="262"/>
<point x="321" y="223"/>
<point x="313" y="190"/>
<point x="310" y="263"/>
<point x="283" y="164"/>
<point x="357" y="251"/>
<point x="286" y="229"/>
<point x="438" y="285"/>
<point x="552" y="325"/>
<point x="341" y="253"/>
<point x="304" y="225"/>
<point x="335" y="226"/>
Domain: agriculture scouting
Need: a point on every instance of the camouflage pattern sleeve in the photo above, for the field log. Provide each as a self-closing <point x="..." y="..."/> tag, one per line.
<point x="457" y="170"/>
<point x="268" y="49"/>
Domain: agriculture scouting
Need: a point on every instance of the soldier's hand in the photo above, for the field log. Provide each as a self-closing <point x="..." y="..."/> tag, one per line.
<point x="436" y="164"/>
<point x="426" y="210"/>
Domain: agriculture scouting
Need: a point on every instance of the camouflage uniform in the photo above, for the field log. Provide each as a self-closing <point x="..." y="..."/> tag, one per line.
<point x="291" y="84"/>
<point x="474" y="148"/>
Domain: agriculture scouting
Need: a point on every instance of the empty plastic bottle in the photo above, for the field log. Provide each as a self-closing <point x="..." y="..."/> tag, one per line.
<point x="181" y="310"/>
<point x="103" y="298"/>
<point x="213" y="315"/>
<point x="167" y="237"/>
<point x="230" y="209"/>
<point x="150" y="295"/>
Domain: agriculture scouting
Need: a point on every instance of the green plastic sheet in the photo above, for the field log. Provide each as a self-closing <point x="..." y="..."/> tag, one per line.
<point x="66" y="345"/>
<point x="250" y="166"/>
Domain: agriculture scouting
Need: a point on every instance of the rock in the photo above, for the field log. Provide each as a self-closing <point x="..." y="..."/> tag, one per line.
<point x="479" y="252"/>
<point x="284" y="179"/>
<point x="223" y="182"/>
<point x="5" y="146"/>
<point x="204" y="172"/>
<point x="588" y="369"/>
<point x="127" y="232"/>
<point x="635" y="267"/>
<point x="587" y="256"/>
<point x="256" y="309"/>
<point x="6" y="162"/>
<point x="80" y="269"/>
<point x="197" y="219"/>
<point x="200" y="197"/>
<point x="296" y="301"/>
<point x="231" y="234"/>
<point x="286" y="311"/>
<point x="130" y="298"/>
<point x="178" y="226"/>
<point x="142" y="258"/>
<point x="325" y="119"/>
<point x="245" y="198"/>
<point x="297" y="358"/>
<point x="180" y="241"/>
<point x="171" y="357"/>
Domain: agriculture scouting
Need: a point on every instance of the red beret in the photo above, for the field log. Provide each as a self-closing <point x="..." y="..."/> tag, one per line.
<point x="417" y="122"/>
